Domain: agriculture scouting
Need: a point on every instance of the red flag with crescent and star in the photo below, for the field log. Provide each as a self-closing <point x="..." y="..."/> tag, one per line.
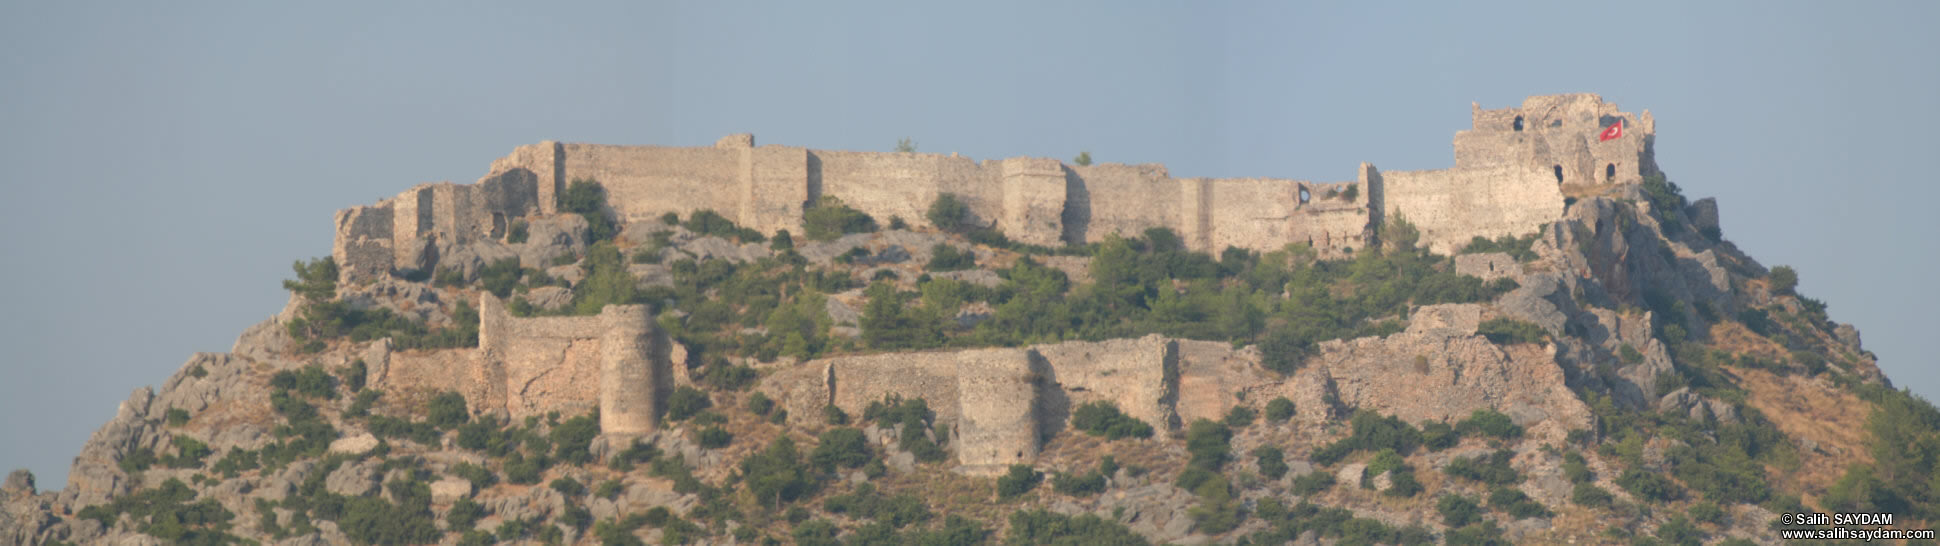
<point x="1614" y="131"/>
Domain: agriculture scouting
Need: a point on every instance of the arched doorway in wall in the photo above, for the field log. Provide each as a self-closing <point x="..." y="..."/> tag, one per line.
<point x="1559" y="173"/>
<point x="1518" y="124"/>
<point x="1610" y="172"/>
<point x="1304" y="196"/>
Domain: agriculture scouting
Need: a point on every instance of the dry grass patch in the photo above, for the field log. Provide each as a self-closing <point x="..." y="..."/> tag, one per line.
<point x="1805" y="409"/>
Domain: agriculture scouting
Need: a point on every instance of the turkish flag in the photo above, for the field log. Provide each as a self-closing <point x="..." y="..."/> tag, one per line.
<point x="1614" y="131"/>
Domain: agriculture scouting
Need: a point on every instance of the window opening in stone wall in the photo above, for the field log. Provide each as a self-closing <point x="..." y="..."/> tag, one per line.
<point x="1559" y="174"/>
<point x="1304" y="196"/>
<point x="1518" y="124"/>
<point x="1610" y="171"/>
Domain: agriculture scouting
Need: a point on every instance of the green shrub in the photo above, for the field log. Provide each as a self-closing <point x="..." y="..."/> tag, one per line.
<point x="1492" y="469"/>
<point x="841" y="447"/>
<point x="865" y="503"/>
<point x="1457" y="510"/>
<point x="355" y="375"/>
<point x="370" y="520"/>
<point x="829" y="218"/>
<point x="776" y="474"/>
<point x="189" y="453"/>
<point x="950" y="214"/>
<point x="1784" y="280"/>
<point x="1476" y="534"/>
<point x="588" y="199"/>
<point x="1488" y="422"/>
<point x="177" y="417"/>
<point x="723" y="376"/>
<point x="760" y="404"/>
<point x="1588" y="494"/>
<point x="781" y="241"/>
<point x="569" y="487"/>
<point x="685" y="402"/>
<point x="1518" y="248"/>
<point x="166" y="513"/>
<point x="714" y="437"/>
<point x="1284" y="351"/>
<point x="1371" y="432"/>
<point x="1508" y="331"/>
<point x="1279" y="410"/>
<point x="1403" y="483"/>
<point x="1102" y="418"/>
<point x="1650" y="485"/>
<point x="518" y="232"/>
<point x="1437" y="436"/>
<point x="479" y="476"/>
<point x="1273" y="463"/>
<point x="447" y="410"/>
<point x="1630" y="355"/>
<point x="315" y="281"/>
<point x="310" y="381"/>
<point x="573" y="439"/>
<point x="1218" y="511"/>
<point x="1576" y="468"/>
<point x="947" y="257"/>
<point x="1019" y="480"/>
<point x="1041" y="526"/>
<point x="1210" y="444"/>
<point x="1679" y="531"/>
<point x="834" y="415"/>
<point x="235" y="462"/>
<point x="1515" y="503"/>
<point x="1079" y="485"/>
<point x="385" y="426"/>
<point x="1312" y="482"/>
<point x="1240" y="417"/>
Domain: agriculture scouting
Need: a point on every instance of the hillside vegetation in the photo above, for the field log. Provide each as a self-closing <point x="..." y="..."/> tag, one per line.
<point x="1713" y="410"/>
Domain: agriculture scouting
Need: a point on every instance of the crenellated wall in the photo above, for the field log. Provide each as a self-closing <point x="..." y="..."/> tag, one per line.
<point x="1506" y="181"/>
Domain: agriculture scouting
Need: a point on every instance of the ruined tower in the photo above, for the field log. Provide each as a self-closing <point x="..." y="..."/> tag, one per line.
<point x="1560" y="135"/>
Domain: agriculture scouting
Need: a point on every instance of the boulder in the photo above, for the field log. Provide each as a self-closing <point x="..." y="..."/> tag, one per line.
<point x="19" y="482"/>
<point x="1350" y="474"/>
<point x="979" y="277"/>
<point x="549" y="297"/>
<point x="551" y="237"/>
<point x="96" y="475"/>
<point x="449" y="490"/>
<point x="353" y="445"/>
<point x="353" y="479"/>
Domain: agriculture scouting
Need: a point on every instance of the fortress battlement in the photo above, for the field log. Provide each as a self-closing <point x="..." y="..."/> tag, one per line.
<point x="1509" y="170"/>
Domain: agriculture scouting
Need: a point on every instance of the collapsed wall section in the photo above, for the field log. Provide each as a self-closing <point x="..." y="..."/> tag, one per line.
<point x="616" y="360"/>
<point x="362" y="247"/>
<point x="1140" y="376"/>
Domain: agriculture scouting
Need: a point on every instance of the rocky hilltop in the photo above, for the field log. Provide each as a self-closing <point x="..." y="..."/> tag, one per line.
<point x="1547" y="343"/>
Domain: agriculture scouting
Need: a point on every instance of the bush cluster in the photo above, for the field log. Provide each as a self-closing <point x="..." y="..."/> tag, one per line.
<point x="1102" y="418"/>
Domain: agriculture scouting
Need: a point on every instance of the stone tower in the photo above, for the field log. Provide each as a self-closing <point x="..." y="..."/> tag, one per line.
<point x="1559" y="134"/>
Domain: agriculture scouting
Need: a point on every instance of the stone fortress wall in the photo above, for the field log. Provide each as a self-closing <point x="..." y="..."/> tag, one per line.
<point x="1509" y="169"/>
<point x="1508" y="178"/>
<point x="618" y="361"/>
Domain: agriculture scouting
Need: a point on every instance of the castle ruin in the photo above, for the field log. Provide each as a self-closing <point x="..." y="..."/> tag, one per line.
<point x="1510" y="171"/>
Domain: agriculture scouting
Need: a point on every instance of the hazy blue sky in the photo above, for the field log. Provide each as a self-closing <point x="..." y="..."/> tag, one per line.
<point x="169" y="160"/>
